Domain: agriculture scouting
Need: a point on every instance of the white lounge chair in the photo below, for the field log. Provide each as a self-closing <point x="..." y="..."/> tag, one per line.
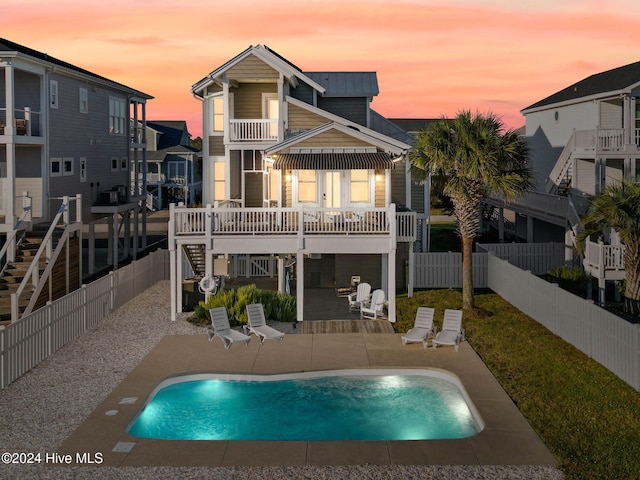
<point x="220" y="328"/>
<point x="258" y="325"/>
<point x="359" y="297"/>
<point x="422" y="327"/>
<point x="375" y="306"/>
<point x="452" y="332"/>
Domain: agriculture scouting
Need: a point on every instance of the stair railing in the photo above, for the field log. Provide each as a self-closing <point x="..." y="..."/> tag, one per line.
<point x="25" y="218"/>
<point x="33" y="273"/>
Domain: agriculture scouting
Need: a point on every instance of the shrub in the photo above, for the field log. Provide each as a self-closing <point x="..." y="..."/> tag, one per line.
<point x="572" y="279"/>
<point x="277" y="306"/>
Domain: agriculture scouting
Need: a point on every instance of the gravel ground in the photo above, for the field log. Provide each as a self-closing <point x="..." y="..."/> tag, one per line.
<point x="42" y="408"/>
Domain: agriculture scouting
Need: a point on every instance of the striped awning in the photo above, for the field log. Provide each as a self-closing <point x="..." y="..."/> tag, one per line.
<point x="333" y="161"/>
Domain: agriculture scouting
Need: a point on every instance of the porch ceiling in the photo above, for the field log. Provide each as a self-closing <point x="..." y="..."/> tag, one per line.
<point x="334" y="161"/>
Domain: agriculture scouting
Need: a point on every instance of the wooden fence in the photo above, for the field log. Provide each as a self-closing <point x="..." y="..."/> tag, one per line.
<point x="35" y="337"/>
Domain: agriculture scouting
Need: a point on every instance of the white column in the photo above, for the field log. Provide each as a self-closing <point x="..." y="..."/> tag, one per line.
<point x="391" y="285"/>
<point x="300" y="285"/>
<point x="281" y="276"/>
<point x="115" y="241"/>
<point x="10" y="193"/>
<point x="173" y="280"/>
<point x="411" y="274"/>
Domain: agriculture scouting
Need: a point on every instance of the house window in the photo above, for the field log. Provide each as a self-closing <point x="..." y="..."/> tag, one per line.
<point x="83" y="169"/>
<point x="219" y="192"/>
<point x="359" y="188"/>
<point x="124" y="164"/>
<point x="307" y="186"/>
<point x="53" y="93"/>
<point x="217" y="107"/>
<point x="83" y="98"/>
<point x="56" y="167"/>
<point x="67" y="166"/>
<point x="117" y="116"/>
<point x="115" y="164"/>
<point x="176" y="172"/>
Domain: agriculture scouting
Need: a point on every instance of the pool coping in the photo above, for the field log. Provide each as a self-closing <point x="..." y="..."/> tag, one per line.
<point x="507" y="438"/>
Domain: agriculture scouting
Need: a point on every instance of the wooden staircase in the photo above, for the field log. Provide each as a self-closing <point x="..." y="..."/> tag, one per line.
<point x="15" y="271"/>
<point x="196" y="256"/>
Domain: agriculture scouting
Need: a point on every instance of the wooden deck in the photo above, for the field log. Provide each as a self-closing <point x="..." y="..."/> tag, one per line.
<point x="346" y="326"/>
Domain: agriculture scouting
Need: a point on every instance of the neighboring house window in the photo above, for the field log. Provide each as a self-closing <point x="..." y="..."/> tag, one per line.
<point x="359" y="188"/>
<point x="83" y="169"/>
<point x="53" y="93"/>
<point x="56" y="167"/>
<point x="124" y="164"/>
<point x="67" y="166"/>
<point x="307" y="186"/>
<point x="83" y="97"/>
<point x="114" y="164"/>
<point x="217" y="108"/>
<point x="117" y="116"/>
<point x="219" y="182"/>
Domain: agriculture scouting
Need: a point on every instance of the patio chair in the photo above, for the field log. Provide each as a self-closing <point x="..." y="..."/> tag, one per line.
<point x="359" y="297"/>
<point x="258" y="325"/>
<point x="452" y="332"/>
<point x="220" y="328"/>
<point x="375" y="306"/>
<point x="353" y="286"/>
<point x="422" y="327"/>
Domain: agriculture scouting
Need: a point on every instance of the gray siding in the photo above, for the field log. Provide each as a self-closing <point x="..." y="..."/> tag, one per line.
<point x="354" y="109"/>
<point x="303" y="92"/>
<point x="611" y="114"/>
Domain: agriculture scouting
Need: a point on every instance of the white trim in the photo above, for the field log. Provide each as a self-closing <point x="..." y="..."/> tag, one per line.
<point x="55" y="161"/>
<point x="67" y="162"/>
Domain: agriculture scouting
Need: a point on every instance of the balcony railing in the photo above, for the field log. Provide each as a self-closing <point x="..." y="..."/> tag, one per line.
<point x="256" y="130"/>
<point x="291" y="221"/>
<point x="609" y="139"/>
<point x="27" y="122"/>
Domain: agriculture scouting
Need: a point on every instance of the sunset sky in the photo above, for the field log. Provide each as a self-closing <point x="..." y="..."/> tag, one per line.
<point x="433" y="57"/>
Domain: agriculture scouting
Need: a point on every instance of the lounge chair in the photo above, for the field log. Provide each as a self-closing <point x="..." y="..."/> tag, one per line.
<point x="375" y="306"/>
<point x="422" y="327"/>
<point x="258" y="325"/>
<point x="452" y="332"/>
<point x="220" y="328"/>
<point x="359" y="297"/>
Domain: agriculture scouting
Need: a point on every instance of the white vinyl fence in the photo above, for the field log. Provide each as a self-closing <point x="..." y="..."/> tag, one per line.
<point x="538" y="258"/>
<point x="603" y="336"/>
<point x="444" y="270"/>
<point x="33" y="338"/>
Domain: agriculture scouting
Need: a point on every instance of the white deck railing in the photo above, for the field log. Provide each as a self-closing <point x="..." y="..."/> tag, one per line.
<point x="291" y="221"/>
<point x="604" y="257"/>
<point x="261" y="130"/>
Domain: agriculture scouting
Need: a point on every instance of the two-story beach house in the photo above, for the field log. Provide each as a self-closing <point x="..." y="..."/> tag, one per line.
<point x="174" y="167"/>
<point x="66" y="151"/>
<point x="299" y="171"/>
<point x="581" y="138"/>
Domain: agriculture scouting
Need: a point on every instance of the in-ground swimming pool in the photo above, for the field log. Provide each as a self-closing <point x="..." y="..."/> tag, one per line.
<point x="397" y="404"/>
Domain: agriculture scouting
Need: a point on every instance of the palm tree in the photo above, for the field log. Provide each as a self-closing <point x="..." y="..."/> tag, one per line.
<point x="618" y="207"/>
<point x="474" y="159"/>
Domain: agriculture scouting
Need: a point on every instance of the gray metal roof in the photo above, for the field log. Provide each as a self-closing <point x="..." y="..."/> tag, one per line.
<point x="615" y="80"/>
<point x="346" y="84"/>
<point x="333" y="161"/>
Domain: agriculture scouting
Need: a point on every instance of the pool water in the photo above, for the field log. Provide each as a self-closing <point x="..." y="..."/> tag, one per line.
<point x="339" y="405"/>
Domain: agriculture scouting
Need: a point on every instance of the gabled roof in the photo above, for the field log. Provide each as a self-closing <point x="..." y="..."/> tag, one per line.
<point x="612" y="82"/>
<point x="346" y="84"/>
<point x="267" y="55"/>
<point x="171" y="132"/>
<point x="12" y="49"/>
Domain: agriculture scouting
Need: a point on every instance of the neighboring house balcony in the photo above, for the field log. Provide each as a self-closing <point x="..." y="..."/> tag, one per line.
<point x="286" y="230"/>
<point x="26" y="123"/>
<point x="604" y="261"/>
<point x="607" y="139"/>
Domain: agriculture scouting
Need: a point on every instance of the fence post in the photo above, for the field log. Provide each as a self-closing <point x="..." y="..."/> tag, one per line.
<point x="3" y="362"/>
<point x="49" y="328"/>
<point x="112" y="299"/>
<point x="84" y="306"/>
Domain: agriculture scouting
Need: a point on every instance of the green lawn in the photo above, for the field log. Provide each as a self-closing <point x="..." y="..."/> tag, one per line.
<point x="587" y="417"/>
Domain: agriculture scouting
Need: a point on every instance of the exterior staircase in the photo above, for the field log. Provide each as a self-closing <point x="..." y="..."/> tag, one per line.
<point x="196" y="256"/>
<point x="15" y="271"/>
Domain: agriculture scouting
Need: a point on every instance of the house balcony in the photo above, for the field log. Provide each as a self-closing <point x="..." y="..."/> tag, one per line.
<point x="253" y="130"/>
<point x="280" y="230"/>
<point x="607" y="139"/>
<point x="27" y="123"/>
<point x="603" y="261"/>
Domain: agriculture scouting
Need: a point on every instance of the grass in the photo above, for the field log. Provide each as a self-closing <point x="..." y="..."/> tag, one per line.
<point x="587" y="417"/>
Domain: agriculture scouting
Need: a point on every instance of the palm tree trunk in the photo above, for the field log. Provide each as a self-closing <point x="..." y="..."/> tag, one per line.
<point x="467" y="273"/>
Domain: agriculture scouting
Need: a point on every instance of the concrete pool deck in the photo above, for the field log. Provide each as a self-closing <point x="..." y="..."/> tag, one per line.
<point x="507" y="438"/>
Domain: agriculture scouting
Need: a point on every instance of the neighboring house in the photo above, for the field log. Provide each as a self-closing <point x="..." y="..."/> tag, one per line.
<point x="581" y="138"/>
<point x="65" y="131"/>
<point x="298" y="170"/>
<point x="174" y="168"/>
